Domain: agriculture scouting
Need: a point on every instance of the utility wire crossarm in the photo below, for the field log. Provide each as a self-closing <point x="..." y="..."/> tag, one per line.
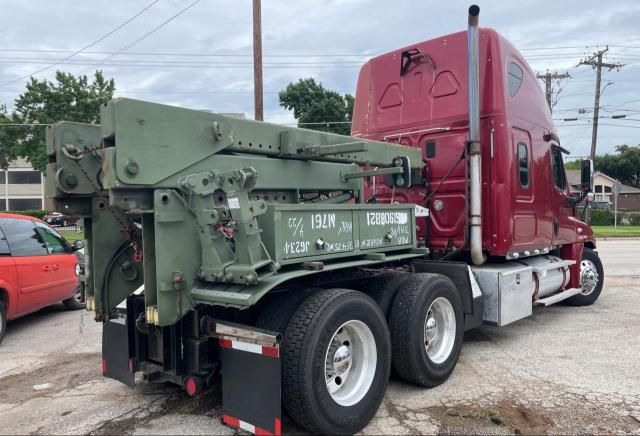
<point x="596" y="62"/>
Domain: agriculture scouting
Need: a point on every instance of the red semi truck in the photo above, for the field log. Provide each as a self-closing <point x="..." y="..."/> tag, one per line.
<point x="496" y="233"/>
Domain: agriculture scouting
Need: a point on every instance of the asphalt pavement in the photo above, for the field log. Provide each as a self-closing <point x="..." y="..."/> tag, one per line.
<point x="562" y="370"/>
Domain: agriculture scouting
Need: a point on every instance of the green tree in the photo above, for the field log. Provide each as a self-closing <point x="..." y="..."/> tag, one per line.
<point x="313" y="103"/>
<point x="624" y="165"/>
<point x="6" y="135"/>
<point x="68" y="98"/>
<point x="572" y="164"/>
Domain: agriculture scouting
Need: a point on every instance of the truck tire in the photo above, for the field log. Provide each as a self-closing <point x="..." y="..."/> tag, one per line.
<point x="76" y="301"/>
<point x="3" y="320"/>
<point x="427" y="328"/>
<point x="279" y="309"/>
<point x="336" y="360"/>
<point x="383" y="288"/>
<point x="591" y="279"/>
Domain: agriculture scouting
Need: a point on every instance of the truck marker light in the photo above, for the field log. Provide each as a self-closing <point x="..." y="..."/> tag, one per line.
<point x="104" y="366"/>
<point x="191" y="387"/>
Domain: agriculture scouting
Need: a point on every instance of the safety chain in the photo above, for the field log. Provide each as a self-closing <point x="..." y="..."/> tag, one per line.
<point x="128" y="229"/>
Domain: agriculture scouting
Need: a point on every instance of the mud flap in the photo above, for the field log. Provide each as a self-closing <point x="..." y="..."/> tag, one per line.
<point x="115" y="352"/>
<point x="250" y="370"/>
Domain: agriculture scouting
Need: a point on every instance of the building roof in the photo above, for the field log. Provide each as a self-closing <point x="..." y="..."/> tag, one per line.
<point x="626" y="189"/>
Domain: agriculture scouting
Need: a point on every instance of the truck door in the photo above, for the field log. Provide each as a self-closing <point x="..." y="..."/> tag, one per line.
<point x="30" y="256"/>
<point x="525" y="213"/>
<point x="563" y="227"/>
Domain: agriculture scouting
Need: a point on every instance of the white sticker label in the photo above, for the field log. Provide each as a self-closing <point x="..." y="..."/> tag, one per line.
<point x="234" y="203"/>
<point x="386" y="218"/>
<point x="421" y="211"/>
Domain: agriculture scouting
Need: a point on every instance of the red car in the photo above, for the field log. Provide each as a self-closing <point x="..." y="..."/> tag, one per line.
<point x="38" y="267"/>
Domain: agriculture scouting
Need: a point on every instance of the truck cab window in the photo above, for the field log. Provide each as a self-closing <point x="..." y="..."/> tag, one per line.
<point x="557" y="168"/>
<point x="523" y="165"/>
<point x="514" y="78"/>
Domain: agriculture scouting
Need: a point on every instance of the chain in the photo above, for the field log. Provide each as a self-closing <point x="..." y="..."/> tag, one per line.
<point x="126" y="228"/>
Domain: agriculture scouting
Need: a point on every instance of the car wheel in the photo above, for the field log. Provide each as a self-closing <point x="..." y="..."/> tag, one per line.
<point x="76" y="301"/>
<point x="336" y="359"/>
<point x="65" y="223"/>
<point x="3" y="320"/>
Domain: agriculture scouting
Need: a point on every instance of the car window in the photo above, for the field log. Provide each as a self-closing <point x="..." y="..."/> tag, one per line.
<point x="23" y="238"/>
<point x="54" y="241"/>
<point x="4" y="245"/>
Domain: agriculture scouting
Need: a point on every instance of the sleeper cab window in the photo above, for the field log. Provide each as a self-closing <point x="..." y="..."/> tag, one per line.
<point x="523" y="165"/>
<point x="514" y="77"/>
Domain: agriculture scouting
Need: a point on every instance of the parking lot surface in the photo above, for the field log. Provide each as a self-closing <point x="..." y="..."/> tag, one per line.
<point x="562" y="370"/>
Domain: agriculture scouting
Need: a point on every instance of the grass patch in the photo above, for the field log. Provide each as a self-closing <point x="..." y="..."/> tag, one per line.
<point x="621" y="231"/>
<point x="71" y="236"/>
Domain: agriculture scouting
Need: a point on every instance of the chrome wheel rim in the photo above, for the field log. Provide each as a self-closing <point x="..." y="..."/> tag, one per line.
<point x="350" y="363"/>
<point x="588" y="276"/>
<point x="439" y="330"/>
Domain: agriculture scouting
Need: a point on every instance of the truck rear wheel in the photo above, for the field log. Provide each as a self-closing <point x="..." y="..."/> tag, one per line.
<point x="426" y="327"/>
<point x="336" y="359"/>
<point x="279" y="309"/>
<point x="591" y="279"/>
<point x="383" y="288"/>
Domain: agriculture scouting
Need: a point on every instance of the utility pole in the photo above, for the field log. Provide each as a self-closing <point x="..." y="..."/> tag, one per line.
<point x="596" y="62"/>
<point x="547" y="82"/>
<point x="257" y="61"/>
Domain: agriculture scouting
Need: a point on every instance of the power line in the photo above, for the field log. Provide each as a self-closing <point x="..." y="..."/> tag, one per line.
<point x="85" y="47"/>
<point x="135" y="61"/>
<point x="199" y="54"/>
<point x="596" y="62"/>
<point x="198" y="65"/>
<point x="547" y="78"/>
<point x="146" y="35"/>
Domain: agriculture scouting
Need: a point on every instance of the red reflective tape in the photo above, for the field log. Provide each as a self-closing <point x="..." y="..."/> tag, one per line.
<point x="278" y="427"/>
<point x="271" y="351"/>
<point x="104" y="366"/>
<point x="230" y="420"/>
<point x="262" y="432"/>
<point x="225" y="343"/>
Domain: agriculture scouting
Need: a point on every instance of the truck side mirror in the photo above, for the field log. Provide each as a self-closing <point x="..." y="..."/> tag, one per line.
<point x="586" y="175"/>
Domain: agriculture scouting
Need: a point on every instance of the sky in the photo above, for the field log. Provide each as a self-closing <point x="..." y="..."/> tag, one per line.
<point x="199" y="55"/>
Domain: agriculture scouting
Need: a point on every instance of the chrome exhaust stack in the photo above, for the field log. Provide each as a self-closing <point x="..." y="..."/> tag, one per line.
<point x="475" y="168"/>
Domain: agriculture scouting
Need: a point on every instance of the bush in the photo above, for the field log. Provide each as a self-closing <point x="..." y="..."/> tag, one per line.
<point x="601" y="217"/>
<point x="36" y="213"/>
<point x="632" y="218"/>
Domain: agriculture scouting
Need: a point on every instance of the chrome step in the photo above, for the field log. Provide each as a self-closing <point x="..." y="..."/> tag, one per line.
<point x="555" y="298"/>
